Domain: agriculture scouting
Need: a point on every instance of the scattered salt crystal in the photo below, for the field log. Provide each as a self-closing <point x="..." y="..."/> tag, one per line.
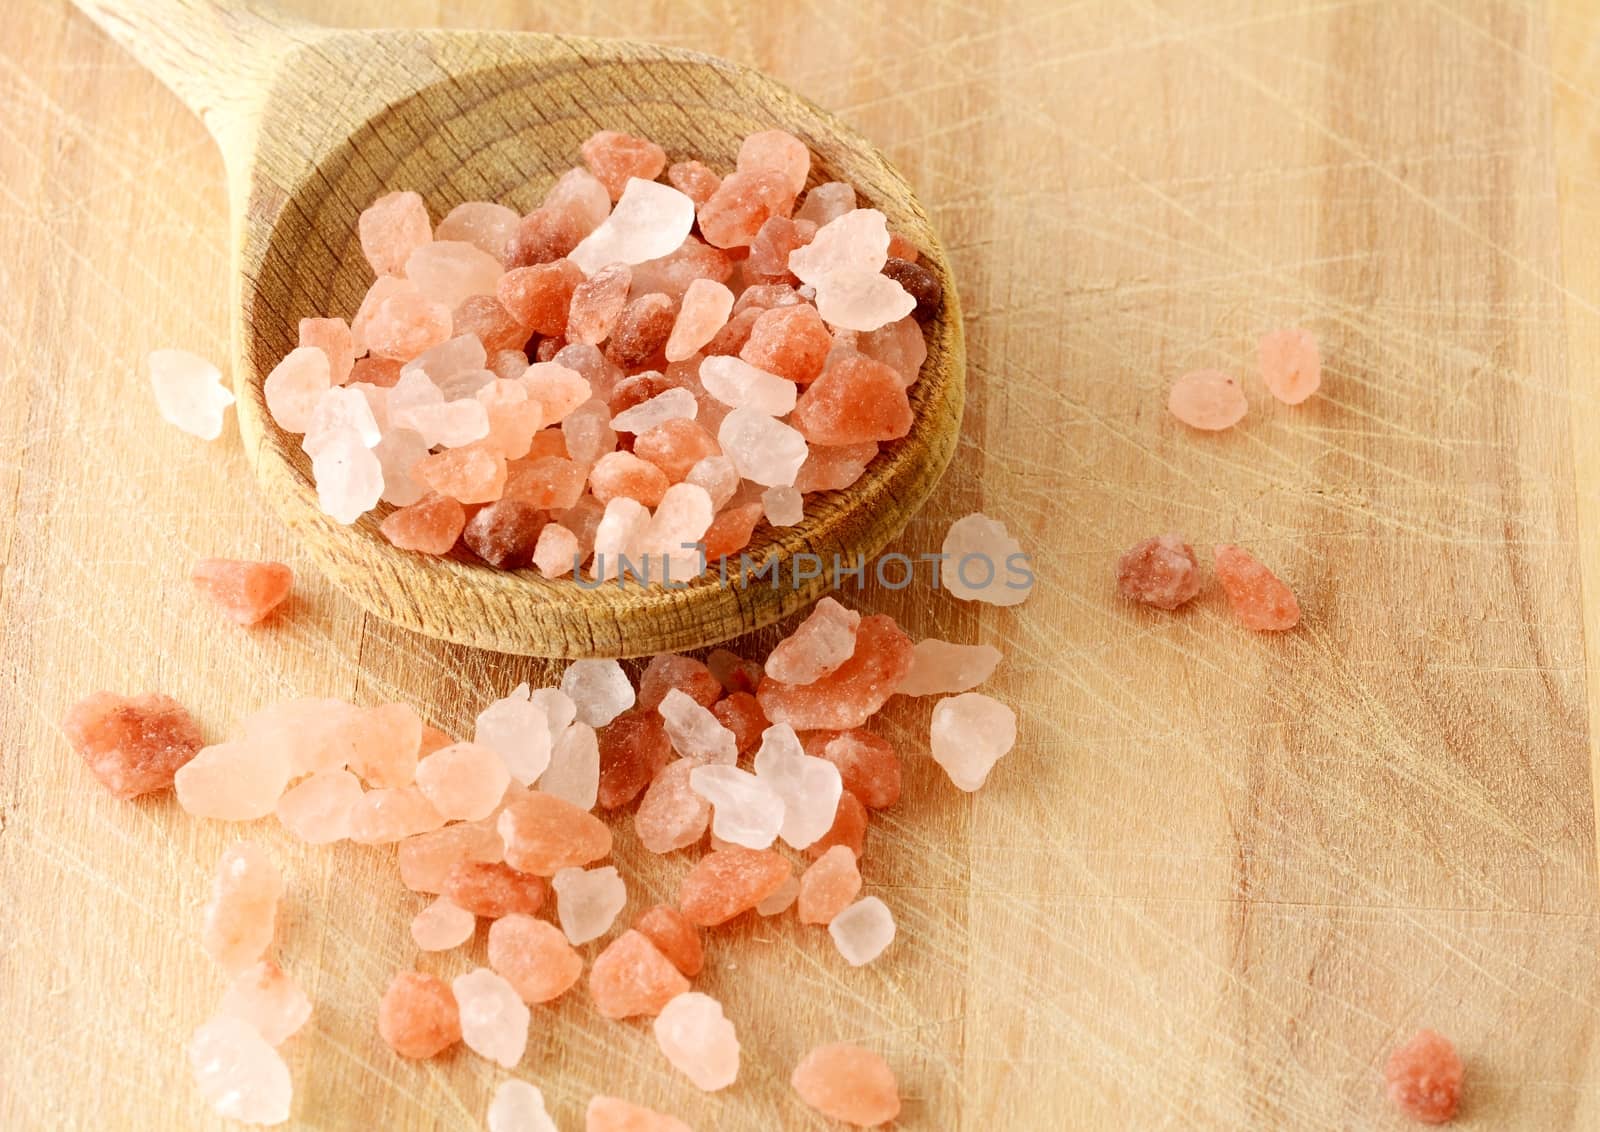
<point x="494" y="1019"/>
<point x="1257" y="596"/>
<point x="1424" y="1077"/>
<point x="741" y="385"/>
<point x="745" y="810"/>
<point x="418" y="1016"/>
<point x="783" y="506"/>
<point x="233" y="781"/>
<point x="588" y="901"/>
<point x="392" y="814"/>
<point x="764" y="450"/>
<point x="599" y="689"/>
<point x="464" y="781"/>
<point x="829" y="885"/>
<point x="295" y="385"/>
<point x="862" y="931"/>
<point x="1208" y="399"/>
<point x="247" y="592"/>
<point x="608" y="1114"/>
<point x="442" y="925"/>
<point x="574" y="770"/>
<point x="1291" y="364"/>
<point x="982" y="562"/>
<point x="559" y="709"/>
<point x="341" y="408"/>
<point x="674" y="404"/>
<point x="809" y="786"/>
<point x="519" y="731"/>
<point x="631" y="977"/>
<point x="941" y="668"/>
<point x="970" y="733"/>
<point x="695" y="733"/>
<point x="240" y="1075"/>
<point x="848" y="1083"/>
<point x="704" y="311"/>
<point x="779" y="150"/>
<point x="782" y="898"/>
<point x="397" y="451"/>
<point x="242" y="913"/>
<point x="132" y="744"/>
<point x="671" y="815"/>
<point x="649" y="221"/>
<point x="317" y="809"/>
<point x="349" y="477"/>
<point x="519" y="1106"/>
<point x="268" y="999"/>
<point x="189" y="391"/>
<point x="699" y="1041"/>
<point x="817" y="647"/>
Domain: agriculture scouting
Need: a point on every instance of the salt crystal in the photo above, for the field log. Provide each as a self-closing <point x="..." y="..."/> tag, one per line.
<point x="608" y="1114"/>
<point x="473" y="474"/>
<point x="519" y="1107"/>
<point x="597" y="304"/>
<point x="698" y="1040"/>
<point x="862" y="300"/>
<point x="574" y="770"/>
<point x="340" y="408"/>
<point x="534" y="957"/>
<point x="970" y="733"/>
<point x="430" y="525"/>
<point x="484" y="225"/>
<point x="504" y="533"/>
<point x="295" y="385"/>
<point x="855" y="401"/>
<point x="827" y="202"/>
<point x="741" y="713"/>
<point x="649" y="221"/>
<point x="559" y="710"/>
<point x="240" y="1075"/>
<point x="782" y="506"/>
<point x="782" y="898"/>
<point x="695" y="733"/>
<point x="132" y="744"/>
<point x="390" y="228"/>
<point x="818" y="646"/>
<point x="862" y="931"/>
<point x="982" y="562"/>
<point x="829" y="885"/>
<point x="694" y="178"/>
<point x="426" y="859"/>
<point x="494" y="1019"/>
<point x="383" y="742"/>
<point x="467" y="384"/>
<point x="544" y="834"/>
<point x="461" y="354"/>
<point x="727" y="882"/>
<point x="671" y="815"/>
<point x="1291" y="364"/>
<point x="332" y="336"/>
<point x="1208" y="399"/>
<point x="631" y="977"/>
<point x="704" y="310"/>
<point x="1160" y="571"/>
<point x="809" y="787"/>
<point x="242" y="913"/>
<point x="718" y="476"/>
<point x="849" y="695"/>
<point x="190" y="394"/>
<point x="856" y="242"/>
<point x="599" y="688"/>
<point x="743" y="202"/>
<point x="442" y="925"/>
<point x="234" y="781"/>
<point x="519" y="732"/>
<point x="848" y="1083"/>
<point x="587" y="431"/>
<point x="674" y="936"/>
<point x="451" y="424"/>
<point x="833" y="469"/>
<point x="555" y="554"/>
<point x="447" y="271"/>
<point x="247" y="591"/>
<point x="671" y="539"/>
<point x="494" y="889"/>
<point x="942" y="668"/>
<point x="317" y="809"/>
<point x="588" y="901"/>
<point x="624" y="474"/>
<point x="899" y="345"/>
<point x="1257" y="596"/>
<point x="674" y="404"/>
<point x="741" y="385"/>
<point x="745" y="810"/>
<point x="464" y="781"/>
<point x="776" y="149"/>
<point x="616" y="158"/>
<point x="582" y="196"/>
<point x="617" y="538"/>
<point x="397" y="451"/>
<point x="418" y="1016"/>
<point x="349" y="477"/>
<point x="392" y="814"/>
<point x="414" y="391"/>
<point x="1424" y="1078"/>
<point x="764" y="450"/>
<point x="311" y="735"/>
<point x="269" y="1000"/>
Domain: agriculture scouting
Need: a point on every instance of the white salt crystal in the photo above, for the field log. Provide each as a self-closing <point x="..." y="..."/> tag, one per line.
<point x="349" y="477"/>
<point x="295" y="385"/>
<point x="398" y="452"/>
<point x="469" y="383"/>
<point x="189" y="392"/>
<point x="862" y="300"/>
<point x="452" y="424"/>
<point x="240" y="1075"/>
<point x="671" y="540"/>
<point x="519" y="1106"/>
<point x="442" y="925"/>
<point x="736" y="382"/>
<point x="618" y="537"/>
<point x="263" y="996"/>
<point x="764" y="450"/>
<point x="983" y="562"/>
<point x="588" y="432"/>
<point x="588" y="901"/>
<point x="494" y="1019"/>
<point x="719" y="476"/>
<point x="414" y="390"/>
<point x="783" y="506"/>
<point x="810" y="787"/>
<point x="559" y="710"/>
<point x="672" y="405"/>
<point x="969" y="734"/>
<point x="781" y="899"/>
<point x="519" y="731"/>
<point x="695" y="732"/>
<point x="862" y="931"/>
<point x="699" y="1041"/>
<point x="339" y="408"/>
<point x="745" y="810"/>
<point x="940" y="668"/>
<point x="442" y="362"/>
<point x="599" y="689"/>
<point x="856" y="242"/>
<point x="649" y="221"/>
<point x="818" y="646"/>
<point x="574" y="770"/>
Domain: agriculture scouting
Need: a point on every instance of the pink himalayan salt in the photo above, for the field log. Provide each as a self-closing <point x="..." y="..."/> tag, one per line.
<point x="716" y="474"/>
<point x="474" y="474"/>
<point x="539" y="297"/>
<point x="534" y="957"/>
<point x="849" y="828"/>
<point x="543" y="236"/>
<point x="558" y="390"/>
<point x="597" y="304"/>
<point x="850" y="695"/>
<point x="1208" y="399"/>
<point x="483" y="224"/>
<point x="246" y="591"/>
<point x="731" y="531"/>
<point x="940" y="668"/>
<point x="863" y="300"/>
<point x="406" y="324"/>
<point x="699" y="1041"/>
<point x="545" y="834"/>
<point x="309" y="735"/>
<point x="733" y="336"/>
<point x="418" y="1016"/>
<point x="1424" y="1078"/>
<point x="464" y="782"/>
<point x="868" y="766"/>
<point x="733" y="672"/>
<point x="818" y="646"/>
<point x="778" y="150"/>
<point x="189" y="392"/>
<point x="856" y="400"/>
<point x="391" y="228"/>
<point x="633" y="750"/>
<point x="673" y="404"/>
<point x="740" y="385"/>
<point x="238" y="1073"/>
<point x="382" y="373"/>
<point x="555" y="553"/>
<point x="695" y="732"/>
<point x="519" y="1107"/>
<point x="331" y="336"/>
<point x="642" y="331"/>
<point x="442" y="925"/>
<point x="674" y="936"/>
<point x="1257" y="597"/>
<point x="671" y="815"/>
<point x="268" y="1000"/>
<point x="617" y="537"/>
<point x="705" y="309"/>
<point x="833" y="468"/>
<point x="447" y="271"/>
<point x="828" y="885"/>
<point x="726" y="882"/>
<point x="427" y="858"/>
<point x="614" y="157"/>
<point x="588" y="901"/>
<point x="505" y="533"/>
<point x="848" y="1083"/>
<point x="513" y="419"/>
<point x="982" y="562"/>
<point x="810" y="787"/>
<point x="581" y="196"/>
<point x="764" y="450"/>
<point x="1291" y="364"/>
<point x="387" y="815"/>
<point x="899" y="345"/>
<point x="969" y="734"/>
<point x="493" y="890"/>
<point x="233" y="781"/>
<point x="1160" y="571"/>
<point x="790" y="341"/>
<point x="672" y="274"/>
<point x="574" y="770"/>
<point x="782" y="897"/>
<point x="774" y="243"/>
<point x="694" y="179"/>
<point x="550" y="483"/>
<point x="924" y="287"/>
<point x="242" y="913"/>
<point x="431" y="525"/>
<point x="745" y="809"/>
<point x="317" y="809"/>
<point x="631" y="977"/>
<point x="827" y="202"/>
<point x="741" y="714"/>
<point x="675" y="447"/>
<point x="295" y="385"/>
<point x="132" y="744"/>
<point x="854" y="242"/>
<point x="608" y="1114"/>
<point x="668" y="671"/>
<point x="624" y="474"/>
<point x="383" y="288"/>
<point x="743" y="202"/>
<point x="650" y="221"/>
<point x="383" y="742"/>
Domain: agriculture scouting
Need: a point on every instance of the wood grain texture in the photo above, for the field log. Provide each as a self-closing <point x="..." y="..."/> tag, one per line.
<point x="1222" y="874"/>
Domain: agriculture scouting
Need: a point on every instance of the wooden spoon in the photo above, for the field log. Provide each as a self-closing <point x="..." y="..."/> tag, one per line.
<point x="314" y="123"/>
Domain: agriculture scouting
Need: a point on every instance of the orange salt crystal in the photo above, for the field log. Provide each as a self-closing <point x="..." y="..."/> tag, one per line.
<point x="671" y="815"/>
<point x="540" y="296"/>
<point x="1424" y="1077"/>
<point x="777" y="150"/>
<point x="631" y="977"/>
<point x="391" y="228"/>
<point x="387" y="815"/>
<point x="848" y="1083"/>
<point x="674" y="936"/>
<point x="550" y="483"/>
<point x="246" y="591"/>
<point x="726" y="882"/>
<point x="597" y="304"/>
<point x="381" y="743"/>
<point x="1291" y="364"/>
<point x="545" y="834"/>
<point x="474" y="473"/>
<point x="828" y="885"/>
<point x="733" y="336"/>
<point x="1207" y="399"/>
<point x="331" y="336"/>
<point x="668" y="671"/>
<point x="426" y="859"/>
<point x="464" y="781"/>
<point x="848" y="696"/>
<point x="742" y="714"/>
<point x="417" y="1016"/>
<point x="675" y="446"/>
<point x="494" y="889"/>
<point x="769" y="251"/>
<point x="1256" y="595"/>
<point x="856" y="400"/>
<point x="675" y="272"/>
<point x="636" y="390"/>
<point x="790" y="341"/>
<point x="1160" y="571"/>
<point x="484" y="317"/>
<point x="608" y="1114"/>
<point x="405" y="325"/>
<point x="633" y="749"/>
<point x="733" y="672"/>
<point x="901" y="247"/>
<point x="834" y="468"/>
<point x="431" y="525"/>
<point x="867" y="764"/>
<point x="849" y="828"/>
<point x="513" y="418"/>
<point x="614" y="157"/>
<point x="543" y="236"/>
<point x="534" y="957"/>
<point x="505" y="533"/>
<point x="624" y="474"/>
<point x="132" y="744"/>
<point x="694" y="180"/>
<point x="704" y="310"/>
<point x="730" y="531"/>
<point x="743" y="202"/>
<point x="642" y="331"/>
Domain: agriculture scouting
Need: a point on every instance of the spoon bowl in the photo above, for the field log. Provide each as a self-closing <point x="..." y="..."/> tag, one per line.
<point x="316" y="123"/>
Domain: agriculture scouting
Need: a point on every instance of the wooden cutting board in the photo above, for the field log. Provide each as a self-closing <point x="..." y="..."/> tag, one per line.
<point x="1223" y="873"/>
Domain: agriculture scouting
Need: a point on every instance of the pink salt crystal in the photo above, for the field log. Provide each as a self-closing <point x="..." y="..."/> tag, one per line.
<point x="344" y="409"/>
<point x="533" y="957"/>
<point x="764" y="450"/>
<point x="827" y="202"/>
<point x="741" y="385"/>
<point x="673" y="273"/>
<point x="317" y="809"/>
<point x="694" y="179"/>
<point x="387" y="815"/>
<point x="616" y="539"/>
<point x="236" y="781"/>
<point x="624" y="474"/>
<point x="246" y="591"/>
<point x="848" y="1083"/>
<point x="519" y="1107"/>
<point x="671" y="815"/>
<point x="778" y="150"/>
<point x="426" y="859"/>
<point x="473" y="474"/>
<point x="557" y="390"/>
<point x="856" y="400"/>
<point x="615" y="157"/>
<point x="675" y="531"/>
<point x="383" y="288"/>
<point x="494" y="889"/>
<point x="982" y="562"/>
<point x="510" y="365"/>
<point x="733" y="672"/>
<point x="505" y="533"/>
<point x="295" y="385"/>
<point x="391" y="228"/>
<point x="485" y="318"/>
<point x="406" y="324"/>
<point x="383" y="741"/>
<point x="240" y="1075"/>
<point x="849" y="695"/>
<point x="582" y="196"/>
<point x="1160" y="571"/>
<point x="649" y="221"/>
<point x="774" y="243"/>
<point x="716" y="474"/>
<point x="671" y="405"/>
<point x="513" y="418"/>
<point x="550" y="483"/>
<point x="695" y="732"/>
<point x="782" y="898"/>
<point x="867" y="764"/>
<point x="733" y="336"/>
<point x="862" y="300"/>
<point x="899" y="345"/>
<point x="833" y="468"/>
<point x="941" y="668"/>
<point x="642" y="330"/>
<point x="457" y="422"/>
<point x="418" y="1016"/>
<point x="486" y="226"/>
<point x="1424" y="1077"/>
<point x="856" y="242"/>
<point x="731" y="531"/>
<point x="332" y="337"/>
<point x="1258" y="598"/>
<point x="790" y="341"/>
<point x="633" y="749"/>
<point x="544" y="834"/>
<point x="242" y="913"/>
<point x="555" y="554"/>
<point x="742" y="203"/>
<point x="862" y="931"/>
<point x="818" y="646"/>
<point x="310" y="735"/>
<point x="442" y="925"/>
<point x="698" y="1040"/>
<point x="726" y="882"/>
<point x="674" y="936"/>
<point x="608" y="1114"/>
<point x="765" y="297"/>
<point x="631" y="977"/>
<point x="189" y="392"/>
<point x="597" y="304"/>
<point x="970" y="732"/>
<point x="380" y="372"/>
<point x="849" y="828"/>
<point x="540" y="297"/>
<point x="1207" y="399"/>
<point x="545" y="235"/>
<point x="705" y="309"/>
<point x="901" y="247"/>
<point x="741" y="714"/>
<point x="1291" y="364"/>
<point x="464" y="782"/>
<point x="675" y="447"/>
<point x="447" y="271"/>
<point x="431" y="525"/>
<point x="268" y="1000"/>
<point x="828" y="885"/>
<point x="132" y="744"/>
<point x="668" y="671"/>
<point x="588" y="901"/>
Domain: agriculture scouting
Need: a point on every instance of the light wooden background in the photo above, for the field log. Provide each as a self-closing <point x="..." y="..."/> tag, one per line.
<point x="1222" y="874"/>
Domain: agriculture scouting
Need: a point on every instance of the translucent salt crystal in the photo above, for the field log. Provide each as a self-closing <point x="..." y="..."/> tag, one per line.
<point x="588" y="901"/>
<point x="349" y="477"/>
<point x="519" y="731"/>
<point x="518" y="1106"/>
<point x="900" y="346"/>
<point x="862" y="931"/>
<point x="729" y="881"/>
<point x="467" y="384"/>
<point x="827" y="202"/>
<point x="781" y="899"/>
<point x="624" y="474"/>
<point x="630" y="977"/>
<point x="447" y="271"/>
<point x="555" y="554"/>
<point x="397" y="451"/>
<point x="414" y="390"/>
<point x="1161" y="571"/>
<point x="704" y="310"/>
<point x="745" y="810"/>
<point x="132" y="744"/>
<point x="426" y="859"/>
<point x="295" y="385"/>
<point x="699" y="1041"/>
<point x="580" y="195"/>
<point x="464" y="781"/>
<point x="862" y="300"/>
<point x="719" y="477"/>
<point x="484" y="225"/>
<point x="970" y="733"/>
<point x="741" y="385"/>
<point x="317" y="809"/>
<point x="1255" y="594"/>
<point x="818" y="646"/>
<point x="233" y="781"/>
<point x="534" y="957"/>
<point x="1291" y="364"/>
<point x="671" y="815"/>
<point x="783" y="506"/>
<point x="809" y="786"/>
<point x="779" y="150"/>
<point x="340" y="408"/>
<point x="460" y="354"/>
<point x="494" y="1019"/>
<point x="618" y="536"/>
<point x="941" y="668"/>
<point x="848" y="1083"/>
<point x="649" y="221"/>
<point x="600" y="690"/>
<point x="674" y="404"/>
<point x="982" y="562"/>
<point x="856" y="242"/>
<point x="1208" y="399"/>
<point x="418" y="1016"/>
<point x="240" y="1075"/>
<point x="849" y="695"/>
<point x="559" y="710"/>
<point x="544" y="834"/>
<point x="190" y="394"/>
<point x="557" y="389"/>
<point x="828" y="886"/>
<point x="391" y="227"/>
<point x="674" y="936"/>
<point x="616" y="157"/>
<point x="671" y="540"/>
<point x="574" y="770"/>
<point x="764" y="450"/>
<point x="247" y="592"/>
<point x="695" y="733"/>
<point x="608" y="1114"/>
<point x="392" y="814"/>
<point x="242" y="913"/>
<point x="588" y="433"/>
<point x="442" y="925"/>
<point x="494" y="890"/>
<point x="268" y="999"/>
<point x="311" y="735"/>
<point x="451" y="424"/>
<point x="1424" y="1078"/>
